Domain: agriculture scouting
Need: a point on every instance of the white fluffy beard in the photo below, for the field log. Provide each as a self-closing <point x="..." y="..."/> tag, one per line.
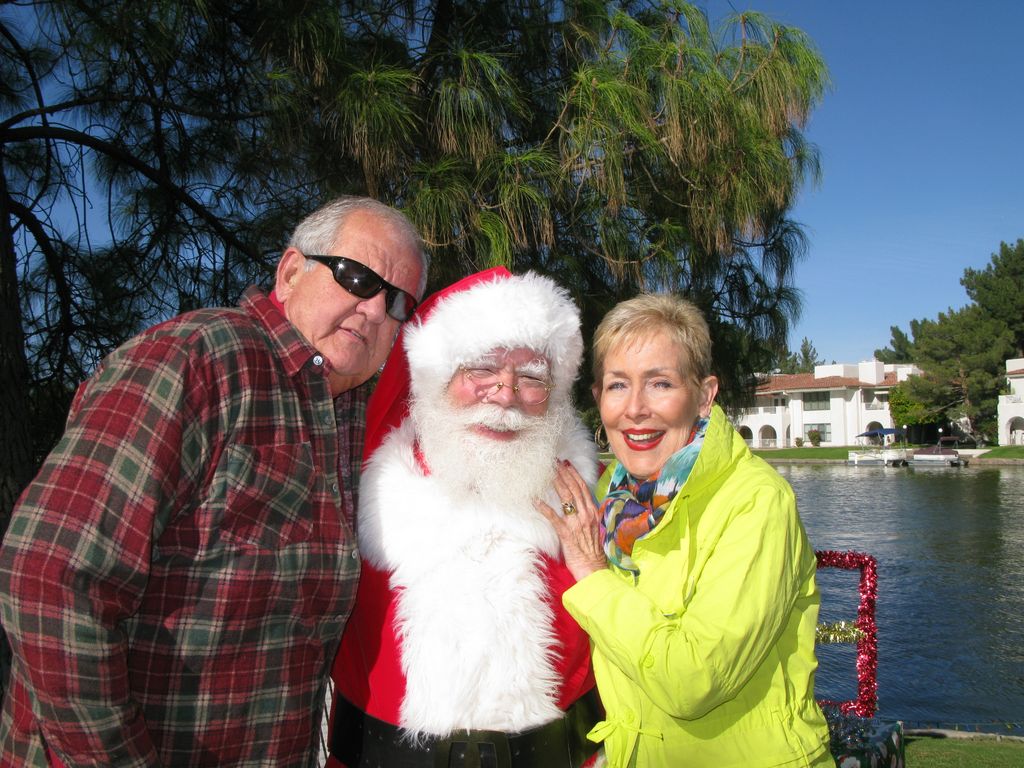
<point x="510" y="472"/>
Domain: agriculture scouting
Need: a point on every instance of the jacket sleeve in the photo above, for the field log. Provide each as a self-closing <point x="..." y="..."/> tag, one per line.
<point x="75" y="562"/>
<point x="692" y="661"/>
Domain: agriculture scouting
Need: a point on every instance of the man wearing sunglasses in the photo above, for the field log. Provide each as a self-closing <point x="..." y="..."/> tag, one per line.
<point x="175" y="580"/>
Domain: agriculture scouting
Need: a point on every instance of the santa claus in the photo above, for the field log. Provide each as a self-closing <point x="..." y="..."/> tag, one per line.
<point x="459" y="651"/>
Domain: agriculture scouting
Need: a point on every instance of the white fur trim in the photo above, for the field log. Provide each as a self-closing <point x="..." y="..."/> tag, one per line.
<point x="519" y="311"/>
<point x="473" y="606"/>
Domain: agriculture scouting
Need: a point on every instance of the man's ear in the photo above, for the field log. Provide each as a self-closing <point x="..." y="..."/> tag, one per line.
<point x="289" y="268"/>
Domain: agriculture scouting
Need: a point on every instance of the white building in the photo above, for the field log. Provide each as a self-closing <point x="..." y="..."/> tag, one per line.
<point x="840" y="400"/>
<point x="1010" y="413"/>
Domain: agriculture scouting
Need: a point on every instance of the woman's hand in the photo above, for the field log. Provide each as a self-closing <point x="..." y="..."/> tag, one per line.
<point x="578" y="531"/>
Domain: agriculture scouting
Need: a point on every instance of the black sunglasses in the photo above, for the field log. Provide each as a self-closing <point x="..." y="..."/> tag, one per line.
<point x="359" y="280"/>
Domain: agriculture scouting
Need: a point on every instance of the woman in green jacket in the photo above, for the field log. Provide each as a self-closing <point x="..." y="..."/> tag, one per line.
<point x="695" y="578"/>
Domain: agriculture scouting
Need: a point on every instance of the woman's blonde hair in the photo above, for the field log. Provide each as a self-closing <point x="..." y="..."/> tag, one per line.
<point x="639" y="319"/>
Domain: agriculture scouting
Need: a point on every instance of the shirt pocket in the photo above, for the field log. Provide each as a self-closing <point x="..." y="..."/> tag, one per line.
<point x="268" y="494"/>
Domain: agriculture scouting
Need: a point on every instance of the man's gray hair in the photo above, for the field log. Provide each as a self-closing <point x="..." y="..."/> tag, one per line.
<point x="318" y="232"/>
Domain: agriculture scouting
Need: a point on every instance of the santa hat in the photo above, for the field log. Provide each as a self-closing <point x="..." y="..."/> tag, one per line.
<point x="462" y="323"/>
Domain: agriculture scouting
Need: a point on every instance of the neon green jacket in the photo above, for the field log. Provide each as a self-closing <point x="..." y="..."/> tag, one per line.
<point x="707" y="659"/>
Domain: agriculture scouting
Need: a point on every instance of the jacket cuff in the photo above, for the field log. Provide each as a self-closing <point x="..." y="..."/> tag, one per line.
<point x="581" y="600"/>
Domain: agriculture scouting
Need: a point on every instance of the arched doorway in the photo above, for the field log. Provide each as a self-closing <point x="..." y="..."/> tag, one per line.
<point x="746" y="434"/>
<point x="767" y="438"/>
<point x="1015" y="431"/>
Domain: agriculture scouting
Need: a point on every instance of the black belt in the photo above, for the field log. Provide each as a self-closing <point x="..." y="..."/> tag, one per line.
<point x="362" y="741"/>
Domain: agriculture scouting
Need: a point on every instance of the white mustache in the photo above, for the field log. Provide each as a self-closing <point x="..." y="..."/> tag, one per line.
<point x="497" y="418"/>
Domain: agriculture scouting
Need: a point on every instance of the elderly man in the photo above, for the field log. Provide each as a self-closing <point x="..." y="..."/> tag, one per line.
<point x="175" y="580"/>
<point x="459" y="647"/>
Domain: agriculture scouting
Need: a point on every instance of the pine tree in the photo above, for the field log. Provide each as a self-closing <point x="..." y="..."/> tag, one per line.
<point x="999" y="289"/>
<point x="153" y="157"/>
<point x="962" y="354"/>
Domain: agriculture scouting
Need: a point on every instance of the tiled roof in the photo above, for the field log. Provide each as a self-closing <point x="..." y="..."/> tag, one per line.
<point x="786" y="382"/>
<point x="1018" y="372"/>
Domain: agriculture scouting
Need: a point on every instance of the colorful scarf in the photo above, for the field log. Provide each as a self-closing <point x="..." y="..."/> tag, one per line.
<point x="634" y="507"/>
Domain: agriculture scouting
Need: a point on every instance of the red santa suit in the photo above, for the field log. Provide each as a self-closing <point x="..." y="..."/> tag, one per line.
<point x="458" y="625"/>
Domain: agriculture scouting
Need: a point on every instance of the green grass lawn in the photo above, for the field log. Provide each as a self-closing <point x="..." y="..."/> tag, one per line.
<point x="1004" y="452"/>
<point x="963" y="753"/>
<point x="842" y="452"/>
<point x="807" y="452"/>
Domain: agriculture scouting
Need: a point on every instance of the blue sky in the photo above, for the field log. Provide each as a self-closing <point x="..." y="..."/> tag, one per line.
<point x="922" y="148"/>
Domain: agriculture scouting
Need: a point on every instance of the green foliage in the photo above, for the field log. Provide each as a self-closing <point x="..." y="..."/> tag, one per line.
<point x="799" y="442"/>
<point x="814" y="436"/>
<point x="999" y="289"/>
<point x="906" y="410"/>
<point x="900" y="349"/>
<point x="615" y="147"/>
<point x="141" y="176"/>
<point x="802" y="361"/>
<point x="962" y="354"/>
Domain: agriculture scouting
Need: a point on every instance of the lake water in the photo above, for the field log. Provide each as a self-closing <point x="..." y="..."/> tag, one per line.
<point x="950" y="549"/>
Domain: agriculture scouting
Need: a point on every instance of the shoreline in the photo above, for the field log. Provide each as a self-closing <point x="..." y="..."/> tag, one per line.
<point x="944" y="733"/>
<point x="973" y="461"/>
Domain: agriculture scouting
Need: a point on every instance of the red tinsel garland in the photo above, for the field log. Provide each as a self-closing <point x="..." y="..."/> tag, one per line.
<point x="867" y="646"/>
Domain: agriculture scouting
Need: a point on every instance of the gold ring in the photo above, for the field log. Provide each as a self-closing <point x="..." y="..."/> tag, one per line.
<point x="568" y="508"/>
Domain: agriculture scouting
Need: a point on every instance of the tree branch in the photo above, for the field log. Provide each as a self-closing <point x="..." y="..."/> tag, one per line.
<point x="116" y="153"/>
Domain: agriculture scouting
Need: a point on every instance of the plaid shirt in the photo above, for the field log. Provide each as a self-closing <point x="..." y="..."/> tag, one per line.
<point x="175" y="580"/>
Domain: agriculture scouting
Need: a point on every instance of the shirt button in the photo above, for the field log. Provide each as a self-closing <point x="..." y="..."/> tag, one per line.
<point x="318" y="359"/>
<point x="648" y="661"/>
<point x="355" y="555"/>
<point x="334" y="487"/>
<point x="327" y="419"/>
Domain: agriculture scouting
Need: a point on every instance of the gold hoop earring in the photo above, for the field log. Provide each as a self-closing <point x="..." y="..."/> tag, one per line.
<point x="600" y="438"/>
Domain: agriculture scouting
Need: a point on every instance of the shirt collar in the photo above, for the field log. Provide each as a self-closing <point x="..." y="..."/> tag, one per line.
<point x="292" y="348"/>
